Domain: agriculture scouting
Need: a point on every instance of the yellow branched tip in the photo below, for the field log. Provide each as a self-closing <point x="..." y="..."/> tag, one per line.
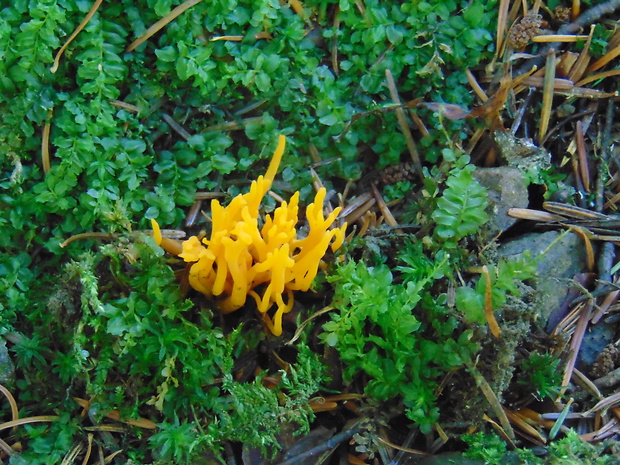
<point x="267" y="263"/>
<point x="156" y="232"/>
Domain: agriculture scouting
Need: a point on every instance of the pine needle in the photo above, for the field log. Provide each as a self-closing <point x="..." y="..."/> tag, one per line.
<point x="488" y="305"/>
<point x="548" y="91"/>
<point x="84" y="22"/>
<point x="162" y="23"/>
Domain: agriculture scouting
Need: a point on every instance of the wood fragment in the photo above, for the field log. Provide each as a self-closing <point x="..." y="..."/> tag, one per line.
<point x="385" y="211"/>
<point x="156" y="27"/>
<point x="402" y="121"/>
<point x="494" y="402"/>
<point x="330" y="444"/>
<point x="84" y="22"/>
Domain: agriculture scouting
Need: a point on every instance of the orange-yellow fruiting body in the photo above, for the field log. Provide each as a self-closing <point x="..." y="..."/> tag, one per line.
<point x="239" y="257"/>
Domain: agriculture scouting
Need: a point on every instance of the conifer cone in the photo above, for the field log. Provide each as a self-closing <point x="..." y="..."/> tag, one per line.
<point x="520" y="33"/>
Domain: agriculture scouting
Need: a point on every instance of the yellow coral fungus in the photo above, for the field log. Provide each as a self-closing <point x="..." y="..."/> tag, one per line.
<point x="269" y="263"/>
<point x="169" y="245"/>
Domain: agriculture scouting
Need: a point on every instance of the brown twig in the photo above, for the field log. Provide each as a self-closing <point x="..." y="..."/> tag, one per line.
<point x="494" y="402"/>
<point x="402" y="121"/>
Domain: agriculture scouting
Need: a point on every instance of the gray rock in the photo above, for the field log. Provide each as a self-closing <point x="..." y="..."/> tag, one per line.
<point x="507" y="189"/>
<point x="556" y="268"/>
<point x="522" y="154"/>
<point x="7" y="369"/>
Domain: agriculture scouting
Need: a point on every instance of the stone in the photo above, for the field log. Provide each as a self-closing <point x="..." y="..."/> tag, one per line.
<point x="556" y="268"/>
<point x="7" y="368"/>
<point x="507" y="189"/>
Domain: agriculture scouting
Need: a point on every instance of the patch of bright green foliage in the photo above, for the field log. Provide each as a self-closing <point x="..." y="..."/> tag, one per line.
<point x="461" y="208"/>
<point x="570" y="450"/>
<point x="542" y="374"/>
<point x="138" y="344"/>
<point x="115" y="325"/>
<point x="504" y="278"/>
<point x="111" y="167"/>
<point x="398" y="333"/>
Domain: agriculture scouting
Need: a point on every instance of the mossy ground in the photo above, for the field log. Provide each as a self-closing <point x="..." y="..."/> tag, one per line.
<point x="415" y="336"/>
